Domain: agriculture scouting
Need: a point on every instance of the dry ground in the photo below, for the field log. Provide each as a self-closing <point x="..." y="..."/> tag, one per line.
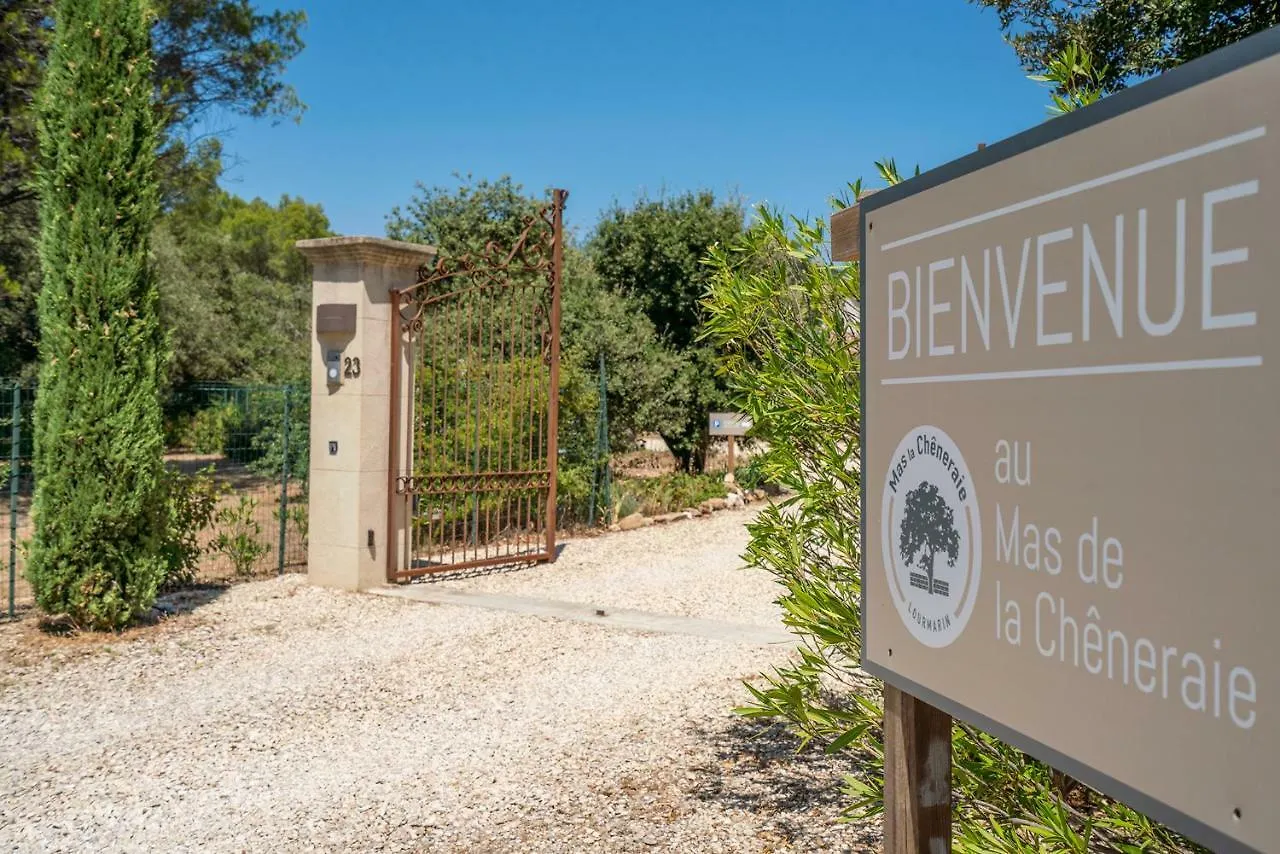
<point x="280" y="717"/>
<point x="237" y="480"/>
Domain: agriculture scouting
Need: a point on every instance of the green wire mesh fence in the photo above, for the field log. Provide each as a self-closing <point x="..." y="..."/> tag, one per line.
<point x="249" y="444"/>
<point x="16" y="402"/>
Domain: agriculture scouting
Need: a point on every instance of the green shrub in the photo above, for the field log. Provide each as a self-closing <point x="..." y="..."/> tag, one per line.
<point x="6" y="435"/>
<point x="244" y="421"/>
<point x="297" y="515"/>
<point x="573" y="494"/>
<point x="263" y="435"/>
<point x="239" y="537"/>
<point x="751" y="475"/>
<point x="781" y="312"/>
<point x="99" y="507"/>
<point x="300" y="515"/>
<point x="176" y="427"/>
<point x="192" y="501"/>
<point x="208" y="430"/>
<point x="246" y="424"/>
<point x="624" y="504"/>
<point x="667" y="493"/>
<point x="675" y="491"/>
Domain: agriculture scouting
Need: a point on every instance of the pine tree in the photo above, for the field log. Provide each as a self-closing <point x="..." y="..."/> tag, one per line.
<point x="99" y="504"/>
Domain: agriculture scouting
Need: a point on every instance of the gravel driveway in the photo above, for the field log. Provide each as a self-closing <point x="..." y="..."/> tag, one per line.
<point x="281" y="717"/>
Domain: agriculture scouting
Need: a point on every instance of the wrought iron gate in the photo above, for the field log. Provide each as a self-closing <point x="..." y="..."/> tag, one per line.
<point x="476" y="471"/>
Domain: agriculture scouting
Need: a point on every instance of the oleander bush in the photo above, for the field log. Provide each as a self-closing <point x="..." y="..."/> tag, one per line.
<point x="192" y="502"/>
<point x="785" y="318"/>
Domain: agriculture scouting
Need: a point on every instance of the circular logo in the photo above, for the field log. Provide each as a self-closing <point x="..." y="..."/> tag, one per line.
<point x="931" y="536"/>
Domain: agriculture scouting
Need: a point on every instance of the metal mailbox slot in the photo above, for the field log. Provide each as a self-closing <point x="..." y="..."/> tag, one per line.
<point x="335" y="320"/>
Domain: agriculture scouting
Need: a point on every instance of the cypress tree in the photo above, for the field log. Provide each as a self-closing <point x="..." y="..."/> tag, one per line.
<point x="99" y="503"/>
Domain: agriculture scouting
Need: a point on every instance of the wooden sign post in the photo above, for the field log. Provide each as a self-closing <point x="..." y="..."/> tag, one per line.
<point x="731" y="425"/>
<point x="917" y="776"/>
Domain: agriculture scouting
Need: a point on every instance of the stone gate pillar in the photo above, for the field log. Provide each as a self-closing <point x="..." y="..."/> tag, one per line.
<point x="351" y="481"/>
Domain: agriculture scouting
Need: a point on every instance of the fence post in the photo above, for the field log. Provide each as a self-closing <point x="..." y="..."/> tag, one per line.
<point x="606" y="476"/>
<point x="599" y="472"/>
<point x="284" y="482"/>
<point x="15" y="460"/>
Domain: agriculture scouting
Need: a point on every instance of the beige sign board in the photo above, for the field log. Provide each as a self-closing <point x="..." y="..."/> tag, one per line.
<point x="1072" y="443"/>
<point x="728" y="424"/>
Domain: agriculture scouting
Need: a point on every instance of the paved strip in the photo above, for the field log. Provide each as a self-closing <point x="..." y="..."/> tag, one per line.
<point x="617" y="618"/>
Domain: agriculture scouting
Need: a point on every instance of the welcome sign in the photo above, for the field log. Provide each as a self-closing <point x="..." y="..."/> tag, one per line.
<point x="1071" y="461"/>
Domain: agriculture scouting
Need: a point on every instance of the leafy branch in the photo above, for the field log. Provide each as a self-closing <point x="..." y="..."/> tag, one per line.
<point x="786" y="320"/>
<point x="1076" y="81"/>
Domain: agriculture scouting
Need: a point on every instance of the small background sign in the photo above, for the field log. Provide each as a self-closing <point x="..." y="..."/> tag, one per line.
<point x="729" y="424"/>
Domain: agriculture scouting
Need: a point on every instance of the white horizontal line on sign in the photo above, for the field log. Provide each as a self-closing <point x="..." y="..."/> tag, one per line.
<point x="1091" y="184"/>
<point x="1085" y="371"/>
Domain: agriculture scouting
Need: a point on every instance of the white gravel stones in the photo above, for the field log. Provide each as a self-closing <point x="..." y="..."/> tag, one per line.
<point x="691" y="569"/>
<point x="288" y="718"/>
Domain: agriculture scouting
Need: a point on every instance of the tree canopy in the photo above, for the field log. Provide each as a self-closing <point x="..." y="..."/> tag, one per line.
<point x="233" y="289"/>
<point x="1130" y="40"/>
<point x="23" y="43"/>
<point x="595" y="319"/>
<point x="209" y="55"/>
<point x="222" y="54"/>
<point x="653" y="253"/>
<point x="462" y="219"/>
<point x="225" y="54"/>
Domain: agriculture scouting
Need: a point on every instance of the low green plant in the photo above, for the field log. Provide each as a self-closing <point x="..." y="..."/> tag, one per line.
<point x="5" y="467"/>
<point x="239" y="537"/>
<point x="782" y="314"/>
<point x="191" y="502"/>
<point x="678" y="490"/>
<point x="751" y="475"/>
<point x="573" y="494"/>
<point x="624" y="503"/>
<point x="666" y="493"/>
<point x="300" y="514"/>
<point x="206" y="431"/>
<point x="176" y="427"/>
<point x="297" y="515"/>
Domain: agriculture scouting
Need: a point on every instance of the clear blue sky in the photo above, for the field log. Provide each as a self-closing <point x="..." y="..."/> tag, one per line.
<point x="776" y="101"/>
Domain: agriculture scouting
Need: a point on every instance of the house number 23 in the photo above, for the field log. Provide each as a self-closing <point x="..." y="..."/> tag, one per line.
<point x="351" y="369"/>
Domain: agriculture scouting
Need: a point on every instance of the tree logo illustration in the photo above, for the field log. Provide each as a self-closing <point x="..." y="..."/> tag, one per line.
<point x="930" y="543"/>
<point x="928" y="528"/>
